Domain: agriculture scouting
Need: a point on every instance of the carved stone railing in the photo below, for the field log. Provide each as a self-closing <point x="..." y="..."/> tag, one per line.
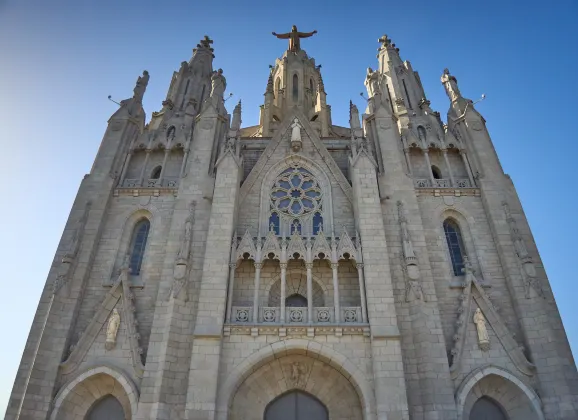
<point x="442" y="183"/>
<point x="131" y="183"/>
<point x="351" y="314"/>
<point x="323" y="315"/>
<point x="167" y="182"/>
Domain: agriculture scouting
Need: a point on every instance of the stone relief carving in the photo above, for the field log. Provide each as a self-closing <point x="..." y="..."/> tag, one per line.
<point x="69" y="258"/>
<point x="409" y="259"/>
<point x="525" y="261"/>
<point x="112" y="329"/>
<point x="483" y="337"/>
<point x="181" y="269"/>
<point x="298" y="374"/>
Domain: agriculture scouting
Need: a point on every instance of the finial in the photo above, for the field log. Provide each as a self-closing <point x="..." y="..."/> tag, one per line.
<point x="269" y="84"/>
<point x="204" y="44"/>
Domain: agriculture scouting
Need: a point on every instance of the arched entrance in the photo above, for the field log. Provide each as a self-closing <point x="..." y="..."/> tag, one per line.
<point x="296" y="405"/>
<point x="487" y="409"/>
<point x="107" y="408"/>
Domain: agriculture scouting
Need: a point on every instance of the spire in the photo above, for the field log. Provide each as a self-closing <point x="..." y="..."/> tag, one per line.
<point x="269" y="88"/>
<point x="353" y="116"/>
<point x="320" y="84"/>
<point x="204" y="46"/>
<point x="236" y="123"/>
<point x="389" y="52"/>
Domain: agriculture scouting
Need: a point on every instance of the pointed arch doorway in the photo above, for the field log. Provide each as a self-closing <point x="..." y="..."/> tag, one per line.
<point x="296" y="405"/>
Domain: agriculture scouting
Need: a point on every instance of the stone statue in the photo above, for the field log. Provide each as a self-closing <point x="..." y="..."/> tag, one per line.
<point x="298" y="372"/>
<point x="483" y="337"/>
<point x="296" y="141"/>
<point x="353" y="116"/>
<point x="112" y="329"/>
<point x="218" y="84"/>
<point x="294" y="38"/>
<point x="372" y="82"/>
<point x="451" y="85"/>
<point x="141" y="86"/>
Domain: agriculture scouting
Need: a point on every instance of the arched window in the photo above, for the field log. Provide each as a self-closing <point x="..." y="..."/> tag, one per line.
<point x="455" y="246"/>
<point x="156" y="173"/>
<point x="486" y="408"/>
<point x="274" y="223"/>
<point x="296" y="227"/>
<point x="106" y="408"/>
<point x="295" y="88"/>
<point x="317" y="223"/>
<point x="421" y="133"/>
<point x="296" y="301"/>
<point x="437" y="174"/>
<point x="171" y="133"/>
<point x="138" y="245"/>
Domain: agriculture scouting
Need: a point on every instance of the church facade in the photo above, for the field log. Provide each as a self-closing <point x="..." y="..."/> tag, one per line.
<point x="296" y="269"/>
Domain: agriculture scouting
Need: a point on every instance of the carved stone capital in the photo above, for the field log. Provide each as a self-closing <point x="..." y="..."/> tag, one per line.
<point x="233" y="265"/>
<point x="258" y="265"/>
<point x="283" y="265"/>
<point x="334" y="266"/>
<point x="360" y="266"/>
<point x="309" y="265"/>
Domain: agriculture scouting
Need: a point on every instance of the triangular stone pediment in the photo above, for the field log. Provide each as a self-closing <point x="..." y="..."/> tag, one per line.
<point x="309" y="135"/>
<point x="118" y="297"/>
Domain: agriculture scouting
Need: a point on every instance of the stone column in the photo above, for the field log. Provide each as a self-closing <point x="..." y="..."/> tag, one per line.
<point x="144" y="166"/>
<point x="125" y="167"/>
<point x="334" y="267"/>
<point x="258" y="267"/>
<point x="362" y="291"/>
<point x="184" y="164"/>
<point x="408" y="160"/>
<point x="162" y="174"/>
<point x="283" y="291"/>
<point x="428" y="163"/>
<point x="447" y="161"/>
<point x="467" y="165"/>
<point x="309" y="267"/>
<point x="232" y="267"/>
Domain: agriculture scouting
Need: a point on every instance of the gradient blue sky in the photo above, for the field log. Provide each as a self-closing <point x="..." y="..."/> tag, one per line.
<point x="60" y="59"/>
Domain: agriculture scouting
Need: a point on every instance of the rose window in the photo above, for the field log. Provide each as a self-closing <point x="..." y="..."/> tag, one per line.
<point x="296" y="192"/>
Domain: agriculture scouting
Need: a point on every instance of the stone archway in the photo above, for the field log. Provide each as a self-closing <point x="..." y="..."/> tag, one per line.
<point x="296" y="373"/>
<point x="329" y="357"/>
<point x="515" y="399"/>
<point x="77" y="397"/>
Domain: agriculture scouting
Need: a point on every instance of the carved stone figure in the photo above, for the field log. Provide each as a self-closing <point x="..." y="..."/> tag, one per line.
<point x="353" y="116"/>
<point x="483" y="337"/>
<point x="298" y="371"/>
<point x="372" y="82"/>
<point x="451" y="85"/>
<point x="112" y="329"/>
<point x="296" y="141"/>
<point x="218" y="84"/>
<point x="141" y="86"/>
<point x="294" y="38"/>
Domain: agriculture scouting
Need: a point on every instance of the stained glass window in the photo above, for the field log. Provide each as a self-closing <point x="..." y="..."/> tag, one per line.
<point x="455" y="245"/>
<point x="138" y="244"/>
<point x="296" y="192"/>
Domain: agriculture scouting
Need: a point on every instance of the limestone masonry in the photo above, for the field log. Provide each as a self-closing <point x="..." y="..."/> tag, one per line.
<point x="296" y="269"/>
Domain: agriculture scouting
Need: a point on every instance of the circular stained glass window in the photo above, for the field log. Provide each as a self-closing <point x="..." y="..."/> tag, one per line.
<point x="296" y="192"/>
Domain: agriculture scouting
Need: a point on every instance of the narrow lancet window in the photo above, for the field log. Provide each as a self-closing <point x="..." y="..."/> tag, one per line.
<point x="317" y="223"/>
<point x="455" y="246"/>
<point x="156" y="173"/>
<point x="437" y="174"/>
<point x="274" y="223"/>
<point x="138" y="245"/>
<point x="295" y="88"/>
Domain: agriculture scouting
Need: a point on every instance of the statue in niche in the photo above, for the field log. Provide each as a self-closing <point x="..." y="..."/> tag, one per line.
<point x="451" y="85"/>
<point x="218" y="84"/>
<point x="296" y="141"/>
<point x="483" y="337"/>
<point x="112" y="329"/>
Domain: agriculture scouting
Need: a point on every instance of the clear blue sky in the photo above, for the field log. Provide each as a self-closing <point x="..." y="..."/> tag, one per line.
<point x="60" y="59"/>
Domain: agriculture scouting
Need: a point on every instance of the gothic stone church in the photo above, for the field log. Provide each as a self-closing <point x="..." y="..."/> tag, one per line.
<point x="297" y="269"/>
